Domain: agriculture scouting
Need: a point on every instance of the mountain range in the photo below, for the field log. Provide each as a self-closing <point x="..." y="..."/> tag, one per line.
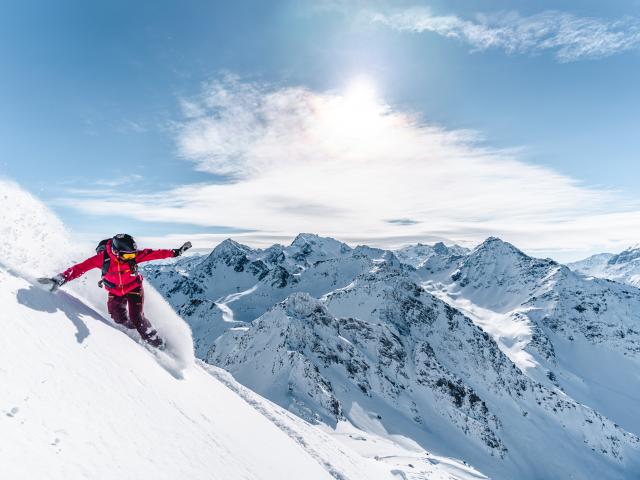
<point x="623" y="267"/>
<point x="518" y="366"/>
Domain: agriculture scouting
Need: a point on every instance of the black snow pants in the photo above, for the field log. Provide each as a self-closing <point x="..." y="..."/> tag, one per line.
<point x="134" y="303"/>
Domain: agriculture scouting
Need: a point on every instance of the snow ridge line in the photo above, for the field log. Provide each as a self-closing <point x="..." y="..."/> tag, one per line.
<point x="250" y="397"/>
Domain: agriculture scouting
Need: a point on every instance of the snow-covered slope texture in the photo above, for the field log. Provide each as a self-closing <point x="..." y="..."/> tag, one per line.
<point x="80" y="399"/>
<point x="35" y="243"/>
<point x="623" y="267"/>
<point x="392" y="359"/>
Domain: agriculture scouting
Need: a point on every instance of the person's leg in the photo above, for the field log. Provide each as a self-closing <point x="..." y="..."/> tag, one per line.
<point x="117" y="307"/>
<point x="136" y="314"/>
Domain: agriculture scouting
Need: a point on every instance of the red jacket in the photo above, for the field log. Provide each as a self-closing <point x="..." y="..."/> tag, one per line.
<point x="119" y="274"/>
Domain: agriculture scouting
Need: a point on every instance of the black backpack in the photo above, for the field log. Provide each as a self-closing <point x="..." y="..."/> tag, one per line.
<point x="106" y="261"/>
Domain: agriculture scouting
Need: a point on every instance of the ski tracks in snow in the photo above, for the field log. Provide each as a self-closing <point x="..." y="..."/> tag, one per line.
<point x="268" y="411"/>
<point x="223" y="304"/>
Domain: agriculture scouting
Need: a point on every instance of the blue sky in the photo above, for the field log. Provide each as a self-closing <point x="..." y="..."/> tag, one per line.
<point x="110" y="110"/>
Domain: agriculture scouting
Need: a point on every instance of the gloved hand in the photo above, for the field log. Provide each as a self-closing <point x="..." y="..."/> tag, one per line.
<point x="54" y="282"/>
<point x="179" y="251"/>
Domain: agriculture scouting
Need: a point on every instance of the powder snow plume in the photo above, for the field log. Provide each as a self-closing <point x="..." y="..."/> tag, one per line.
<point x="36" y="243"/>
<point x="34" y="240"/>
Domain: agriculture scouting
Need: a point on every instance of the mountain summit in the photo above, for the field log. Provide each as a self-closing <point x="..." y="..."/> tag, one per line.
<point x="623" y="267"/>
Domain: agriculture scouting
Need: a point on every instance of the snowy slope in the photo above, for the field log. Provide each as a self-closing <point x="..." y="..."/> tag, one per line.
<point x="591" y="265"/>
<point x="623" y="267"/>
<point x="82" y="399"/>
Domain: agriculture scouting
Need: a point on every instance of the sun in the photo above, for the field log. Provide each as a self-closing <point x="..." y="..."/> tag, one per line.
<point x="359" y="111"/>
<point x="361" y="93"/>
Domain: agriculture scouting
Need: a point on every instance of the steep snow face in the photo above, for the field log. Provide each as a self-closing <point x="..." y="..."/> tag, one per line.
<point x="81" y="400"/>
<point x="623" y="267"/>
<point x="35" y="243"/>
<point x="389" y="357"/>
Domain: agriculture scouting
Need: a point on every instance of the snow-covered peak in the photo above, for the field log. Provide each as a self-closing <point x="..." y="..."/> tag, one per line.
<point x="417" y="255"/>
<point x="496" y="246"/>
<point x="309" y="248"/>
<point x="623" y="267"/>
<point x="362" y="336"/>
<point x="369" y="252"/>
<point x="301" y="305"/>
<point x="503" y="258"/>
<point x="594" y="261"/>
<point x="233" y="255"/>
<point x="390" y="262"/>
<point x="273" y="254"/>
<point x="631" y="254"/>
<point x="499" y="276"/>
<point x="440" y="248"/>
<point x="313" y="239"/>
<point x="229" y="247"/>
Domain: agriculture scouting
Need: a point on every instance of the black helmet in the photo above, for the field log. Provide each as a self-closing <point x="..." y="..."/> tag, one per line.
<point x="123" y="243"/>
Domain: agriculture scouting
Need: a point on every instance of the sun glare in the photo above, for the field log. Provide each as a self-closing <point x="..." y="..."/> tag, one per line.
<point x="361" y="93"/>
<point x="359" y="112"/>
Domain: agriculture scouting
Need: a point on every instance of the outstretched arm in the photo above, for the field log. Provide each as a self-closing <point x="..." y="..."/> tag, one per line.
<point x="148" y="254"/>
<point x="83" y="267"/>
<point x="72" y="272"/>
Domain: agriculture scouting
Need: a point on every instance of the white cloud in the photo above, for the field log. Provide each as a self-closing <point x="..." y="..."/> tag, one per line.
<point x="570" y="37"/>
<point x="118" y="182"/>
<point x="348" y="165"/>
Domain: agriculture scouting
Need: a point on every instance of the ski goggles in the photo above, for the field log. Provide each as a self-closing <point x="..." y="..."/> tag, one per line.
<point x="127" y="255"/>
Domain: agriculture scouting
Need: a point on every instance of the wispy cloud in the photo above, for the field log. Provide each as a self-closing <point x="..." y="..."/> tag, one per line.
<point x="347" y="164"/>
<point x="402" y="221"/>
<point x="568" y="36"/>
<point x="120" y="181"/>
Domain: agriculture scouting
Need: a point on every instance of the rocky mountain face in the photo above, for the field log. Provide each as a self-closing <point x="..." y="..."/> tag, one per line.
<point x="623" y="267"/>
<point x="579" y="334"/>
<point x="500" y="278"/>
<point x="517" y="365"/>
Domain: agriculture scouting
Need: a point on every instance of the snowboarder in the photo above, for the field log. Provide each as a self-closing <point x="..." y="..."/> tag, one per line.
<point x="118" y="257"/>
